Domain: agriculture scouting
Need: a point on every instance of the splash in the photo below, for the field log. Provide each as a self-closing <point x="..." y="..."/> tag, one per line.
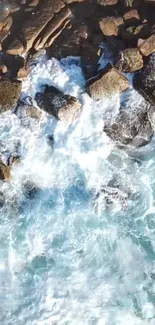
<point x="80" y="248"/>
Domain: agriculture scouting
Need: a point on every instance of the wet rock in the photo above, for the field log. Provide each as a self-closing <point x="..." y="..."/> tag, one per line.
<point x="147" y="46"/>
<point x="131" y="16"/>
<point x="131" y="126"/>
<point x="34" y="3"/>
<point x="67" y="44"/>
<point x="70" y="1"/>
<point x="149" y="1"/>
<point x="10" y="91"/>
<point x="89" y="59"/>
<point x="133" y="33"/>
<point x="23" y="72"/>
<point x="8" y="23"/>
<point x="107" y="83"/>
<point x="107" y="2"/>
<point x="4" y="171"/>
<point x="131" y="3"/>
<point x="151" y="116"/>
<point x="3" y="69"/>
<point x="2" y="199"/>
<point x="144" y="81"/>
<point x="33" y="112"/>
<point x="26" y="109"/>
<point x="13" y="64"/>
<point x="3" y="35"/>
<point x="110" y="26"/>
<point x="64" y="107"/>
<point x="130" y="60"/>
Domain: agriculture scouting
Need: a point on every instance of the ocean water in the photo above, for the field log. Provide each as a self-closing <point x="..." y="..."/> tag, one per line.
<point x="76" y="249"/>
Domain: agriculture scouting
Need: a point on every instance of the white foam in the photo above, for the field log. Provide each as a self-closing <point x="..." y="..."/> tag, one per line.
<point x="94" y="265"/>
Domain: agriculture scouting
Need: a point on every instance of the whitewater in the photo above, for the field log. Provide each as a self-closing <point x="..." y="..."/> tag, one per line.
<point x="72" y="252"/>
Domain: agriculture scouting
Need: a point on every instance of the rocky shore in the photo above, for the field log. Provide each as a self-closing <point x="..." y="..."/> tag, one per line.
<point x="82" y="28"/>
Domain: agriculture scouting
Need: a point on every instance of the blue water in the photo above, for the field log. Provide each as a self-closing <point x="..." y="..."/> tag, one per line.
<point x="70" y="253"/>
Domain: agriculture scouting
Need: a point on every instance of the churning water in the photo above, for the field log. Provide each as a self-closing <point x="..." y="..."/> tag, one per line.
<point x="80" y="249"/>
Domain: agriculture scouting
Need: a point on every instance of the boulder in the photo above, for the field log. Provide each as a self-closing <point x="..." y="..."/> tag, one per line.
<point x="131" y="126"/>
<point x="10" y="91"/>
<point x="147" y="46"/>
<point x="110" y="26"/>
<point x="64" y="107"/>
<point x="107" y="83"/>
<point x="144" y="81"/>
<point x="130" y="60"/>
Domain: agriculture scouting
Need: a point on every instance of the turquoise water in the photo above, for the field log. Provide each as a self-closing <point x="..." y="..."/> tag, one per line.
<point x="70" y="253"/>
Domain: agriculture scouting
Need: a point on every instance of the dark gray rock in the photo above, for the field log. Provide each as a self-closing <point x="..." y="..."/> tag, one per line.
<point x="64" y="107"/>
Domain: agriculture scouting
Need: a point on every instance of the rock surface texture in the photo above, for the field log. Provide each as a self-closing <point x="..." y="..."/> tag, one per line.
<point x="64" y="107"/>
<point x="107" y="83"/>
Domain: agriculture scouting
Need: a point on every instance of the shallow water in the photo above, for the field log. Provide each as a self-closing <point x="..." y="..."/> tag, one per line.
<point x="68" y="256"/>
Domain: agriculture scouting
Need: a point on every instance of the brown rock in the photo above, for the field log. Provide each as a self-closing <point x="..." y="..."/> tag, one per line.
<point x="107" y="2"/>
<point x="147" y="46"/>
<point x="33" y="26"/>
<point x="64" y="107"/>
<point x="10" y="91"/>
<point x="3" y="69"/>
<point x="8" y="23"/>
<point x="4" y="171"/>
<point x="131" y="16"/>
<point x="15" y="48"/>
<point x="107" y="83"/>
<point x="34" y="3"/>
<point x="110" y="25"/>
<point x="3" y="35"/>
<point x="57" y="23"/>
<point x="23" y="72"/>
<point x="130" y="60"/>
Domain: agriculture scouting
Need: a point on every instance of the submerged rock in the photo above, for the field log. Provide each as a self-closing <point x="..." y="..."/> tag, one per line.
<point x="10" y="91"/>
<point x="107" y="83"/>
<point x="64" y="107"/>
<point x="131" y="126"/>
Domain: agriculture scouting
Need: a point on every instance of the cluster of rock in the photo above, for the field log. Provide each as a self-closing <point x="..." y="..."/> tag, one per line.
<point x="78" y="27"/>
